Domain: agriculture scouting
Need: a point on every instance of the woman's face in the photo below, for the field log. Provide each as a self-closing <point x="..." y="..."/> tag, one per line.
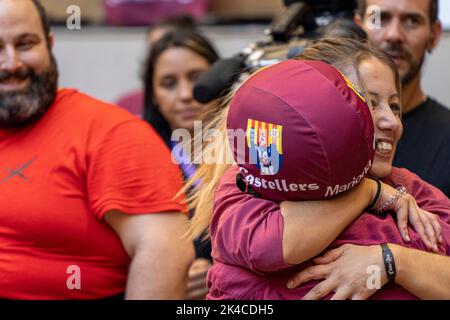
<point x="176" y="71"/>
<point x="384" y="99"/>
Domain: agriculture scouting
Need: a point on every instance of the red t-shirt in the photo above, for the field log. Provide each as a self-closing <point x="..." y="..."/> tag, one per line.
<point x="58" y="178"/>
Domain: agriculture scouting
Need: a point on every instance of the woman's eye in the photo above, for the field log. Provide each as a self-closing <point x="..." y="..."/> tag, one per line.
<point x="168" y="83"/>
<point x="194" y="75"/>
<point x="373" y="103"/>
<point x="396" y="108"/>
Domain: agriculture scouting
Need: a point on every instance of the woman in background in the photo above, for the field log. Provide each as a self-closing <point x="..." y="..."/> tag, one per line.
<point x="134" y="101"/>
<point x="174" y="63"/>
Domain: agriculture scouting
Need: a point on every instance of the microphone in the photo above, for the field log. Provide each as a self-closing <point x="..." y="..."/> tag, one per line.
<point x="217" y="79"/>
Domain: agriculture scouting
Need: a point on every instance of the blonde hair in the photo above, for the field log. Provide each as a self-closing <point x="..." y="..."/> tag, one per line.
<point x="202" y="185"/>
<point x="346" y="54"/>
<point x="341" y="53"/>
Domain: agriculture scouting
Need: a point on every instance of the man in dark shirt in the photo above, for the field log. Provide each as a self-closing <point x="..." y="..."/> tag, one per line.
<point x="409" y="29"/>
<point x="427" y="134"/>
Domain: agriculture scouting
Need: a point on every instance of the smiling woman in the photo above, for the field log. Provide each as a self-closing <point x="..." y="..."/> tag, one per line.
<point x="384" y="99"/>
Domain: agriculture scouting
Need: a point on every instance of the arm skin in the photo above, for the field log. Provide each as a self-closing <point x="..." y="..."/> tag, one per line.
<point x="343" y="271"/>
<point x="311" y="226"/>
<point x="426" y="275"/>
<point x="160" y="254"/>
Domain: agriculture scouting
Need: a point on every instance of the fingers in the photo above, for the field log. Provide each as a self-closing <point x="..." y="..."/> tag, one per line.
<point x="434" y="222"/>
<point x="360" y="296"/>
<point x="321" y="290"/>
<point x="345" y="293"/>
<point x="312" y="273"/>
<point x="330" y="256"/>
<point x="200" y="264"/>
<point x="436" y="225"/>
<point x="341" y="294"/>
<point x="196" y="288"/>
<point x="427" y="234"/>
<point x="197" y="294"/>
<point x="431" y="234"/>
<point x="418" y="223"/>
<point x="424" y="223"/>
<point x="402" y="222"/>
<point x="197" y="274"/>
<point x="199" y="269"/>
<point x="194" y="284"/>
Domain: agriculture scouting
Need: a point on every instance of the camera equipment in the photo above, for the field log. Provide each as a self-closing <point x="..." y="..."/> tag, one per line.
<point x="288" y="35"/>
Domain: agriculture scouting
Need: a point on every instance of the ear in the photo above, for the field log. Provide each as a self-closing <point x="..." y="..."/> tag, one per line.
<point x="357" y="19"/>
<point x="436" y="33"/>
<point x="51" y="40"/>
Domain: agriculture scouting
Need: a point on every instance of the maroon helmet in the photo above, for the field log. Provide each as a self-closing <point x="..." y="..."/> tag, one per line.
<point x="308" y="132"/>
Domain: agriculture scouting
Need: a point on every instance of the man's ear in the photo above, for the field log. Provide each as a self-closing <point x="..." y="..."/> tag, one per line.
<point x="51" y="40"/>
<point x="358" y="20"/>
<point x="436" y="33"/>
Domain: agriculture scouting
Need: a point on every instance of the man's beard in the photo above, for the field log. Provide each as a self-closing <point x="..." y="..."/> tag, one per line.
<point x="414" y="67"/>
<point x="413" y="71"/>
<point x="19" y="108"/>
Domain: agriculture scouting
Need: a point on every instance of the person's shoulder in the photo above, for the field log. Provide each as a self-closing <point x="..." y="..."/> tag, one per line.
<point x="133" y="97"/>
<point x="92" y="111"/>
<point x="440" y="112"/>
<point x="414" y="184"/>
<point x="100" y="119"/>
<point x="403" y="176"/>
<point x="73" y="100"/>
<point x="132" y="102"/>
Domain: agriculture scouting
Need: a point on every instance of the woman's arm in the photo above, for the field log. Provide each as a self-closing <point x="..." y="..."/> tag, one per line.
<point x="311" y="226"/>
<point x="424" y="274"/>
<point x="345" y="270"/>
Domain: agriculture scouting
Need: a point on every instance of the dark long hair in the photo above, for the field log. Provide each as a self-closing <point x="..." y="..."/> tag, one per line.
<point x="182" y="39"/>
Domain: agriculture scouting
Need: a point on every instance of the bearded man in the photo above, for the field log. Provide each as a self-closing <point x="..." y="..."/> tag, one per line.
<point x="87" y="191"/>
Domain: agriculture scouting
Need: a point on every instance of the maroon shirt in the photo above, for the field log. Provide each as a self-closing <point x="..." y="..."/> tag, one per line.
<point x="246" y="235"/>
<point x="133" y="102"/>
